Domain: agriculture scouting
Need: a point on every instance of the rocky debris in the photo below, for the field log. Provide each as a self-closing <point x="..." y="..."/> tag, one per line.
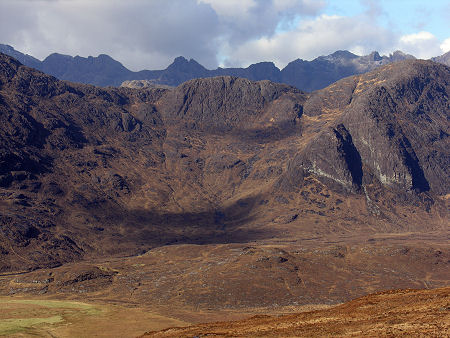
<point x="88" y="279"/>
<point x="141" y="84"/>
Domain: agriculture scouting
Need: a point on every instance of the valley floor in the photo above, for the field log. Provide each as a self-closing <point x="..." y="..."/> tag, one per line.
<point x="187" y="284"/>
<point x="424" y="313"/>
<point x="42" y="317"/>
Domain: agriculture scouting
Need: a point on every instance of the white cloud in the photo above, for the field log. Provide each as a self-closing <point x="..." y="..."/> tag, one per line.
<point x="150" y="33"/>
<point x="304" y="7"/>
<point x="320" y="36"/>
<point x="242" y="8"/>
<point x="417" y="37"/>
<point x="445" y="46"/>
<point x="244" y="20"/>
<point x="144" y="33"/>
<point x="423" y="44"/>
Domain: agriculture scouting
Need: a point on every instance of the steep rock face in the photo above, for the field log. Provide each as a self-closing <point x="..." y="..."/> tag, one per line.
<point x="397" y="118"/>
<point x="444" y="59"/>
<point x="222" y="103"/>
<point x="333" y="157"/>
<point x="407" y="117"/>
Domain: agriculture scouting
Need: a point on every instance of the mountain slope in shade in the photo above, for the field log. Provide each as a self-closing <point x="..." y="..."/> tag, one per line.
<point x="88" y="171"/>
<point x="25" y="59"/>
<point x="305" y="75"/>
<point x="324" y="70"/>
<point x="101" y="70"/>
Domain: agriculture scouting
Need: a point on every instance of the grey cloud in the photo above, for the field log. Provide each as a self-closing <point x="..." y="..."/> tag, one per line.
<point x="150" y="33"/>
<point x="140" y="33"/>
<point x="263" y="18"/>
<point x="319" y="36"/>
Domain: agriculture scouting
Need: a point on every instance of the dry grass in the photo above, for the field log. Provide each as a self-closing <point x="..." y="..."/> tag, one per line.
<point x="424" y="313"/>
<point x="54" y="318"/>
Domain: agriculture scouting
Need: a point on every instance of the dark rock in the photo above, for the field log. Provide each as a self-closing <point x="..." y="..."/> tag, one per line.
<point x="305" y="75"/>
<point x="377" y="130"/>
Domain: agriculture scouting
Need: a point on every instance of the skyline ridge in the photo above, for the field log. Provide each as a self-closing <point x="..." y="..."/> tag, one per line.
<point x="103" y="70"/>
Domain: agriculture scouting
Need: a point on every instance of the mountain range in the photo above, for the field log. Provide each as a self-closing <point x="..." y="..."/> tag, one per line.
<point x="225" y="196"/>
<point x="304" y="75"/>
<point x="90" y="170"/>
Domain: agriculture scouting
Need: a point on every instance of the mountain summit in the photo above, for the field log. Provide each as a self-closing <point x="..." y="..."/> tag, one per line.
<point x="305" y="75"/>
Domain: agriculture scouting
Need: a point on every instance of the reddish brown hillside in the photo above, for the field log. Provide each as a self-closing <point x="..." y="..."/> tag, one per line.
<point x="399" y="313"/>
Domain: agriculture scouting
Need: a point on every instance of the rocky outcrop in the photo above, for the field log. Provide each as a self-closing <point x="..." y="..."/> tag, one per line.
<point x="223" y="103"/>
<point x="444" y="59"/>
<point x="49" y="129"/>
<point x="332" y="156"/>
<point x="390" y="124"/>
<point x="140" y="84"/>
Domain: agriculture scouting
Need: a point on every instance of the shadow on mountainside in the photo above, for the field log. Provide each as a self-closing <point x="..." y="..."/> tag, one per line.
<point x="256" y="134"/>
<point x="231" y="224"/>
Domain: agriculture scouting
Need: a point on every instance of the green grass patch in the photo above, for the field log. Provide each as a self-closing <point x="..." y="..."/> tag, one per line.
<point x="32" y="314"/>
<point x="86" y="308"/>
<point x="11" y="326"/>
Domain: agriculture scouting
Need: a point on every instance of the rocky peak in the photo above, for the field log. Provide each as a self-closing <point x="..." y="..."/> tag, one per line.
<point x="270" y="66"/>
<point x="343" y="54"/>
<point x="180" y="60"/>
<point x="25" y="59"/>
<point x="382" y="119"/>
<point x="399" y="56"/>
<point x="55" y="57"/>
<point x="181" y="64"/>
<point x="444" y="59"/>
<point x="375" y="56"/>
<point x="263" y="71"/>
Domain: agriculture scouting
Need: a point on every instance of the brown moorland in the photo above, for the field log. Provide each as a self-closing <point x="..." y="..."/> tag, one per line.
<point x="396" y="313"/>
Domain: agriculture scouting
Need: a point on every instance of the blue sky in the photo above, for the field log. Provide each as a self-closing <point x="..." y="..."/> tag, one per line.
<point x="406" y="16"/>
<point x="149" y="34"/>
